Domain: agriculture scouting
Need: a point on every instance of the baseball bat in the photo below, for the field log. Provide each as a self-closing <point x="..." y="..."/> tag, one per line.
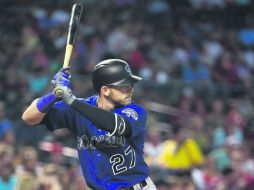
<point x="72" y="32"/>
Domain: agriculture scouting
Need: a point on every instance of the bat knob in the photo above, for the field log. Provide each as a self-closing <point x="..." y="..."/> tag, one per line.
<point x="58" y="93"/>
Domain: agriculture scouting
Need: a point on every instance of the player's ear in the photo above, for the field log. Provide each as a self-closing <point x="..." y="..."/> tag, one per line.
<point x="105" y="90"/>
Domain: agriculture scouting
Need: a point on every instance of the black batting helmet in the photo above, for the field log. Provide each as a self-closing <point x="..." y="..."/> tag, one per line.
<point x="112" y="72"/>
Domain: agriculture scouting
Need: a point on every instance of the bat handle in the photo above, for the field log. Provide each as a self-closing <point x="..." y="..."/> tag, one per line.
<point x="67" y="57"/>
<point x="58" y="92"/>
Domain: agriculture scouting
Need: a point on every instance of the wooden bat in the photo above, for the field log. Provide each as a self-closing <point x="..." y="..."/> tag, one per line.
<point x="72" y="32"/>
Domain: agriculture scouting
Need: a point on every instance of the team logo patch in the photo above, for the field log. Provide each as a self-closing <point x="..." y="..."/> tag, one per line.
<point x="128" y="69"/>
<point x="131" y="113"/>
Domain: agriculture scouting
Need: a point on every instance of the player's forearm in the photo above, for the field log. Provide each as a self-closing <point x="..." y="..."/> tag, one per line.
<point x="32" y="115"/>
<point x="103" y="119"/>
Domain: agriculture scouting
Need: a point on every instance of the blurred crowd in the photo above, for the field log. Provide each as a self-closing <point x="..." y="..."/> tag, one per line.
<point x="196" y="58"/>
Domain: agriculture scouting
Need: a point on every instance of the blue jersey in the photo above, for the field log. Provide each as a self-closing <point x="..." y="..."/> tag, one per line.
<point x="107" y="162"/>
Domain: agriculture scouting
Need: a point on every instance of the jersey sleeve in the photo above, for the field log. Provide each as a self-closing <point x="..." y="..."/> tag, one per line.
<point x="137" y="117"/>
<point x="59" y="116"/>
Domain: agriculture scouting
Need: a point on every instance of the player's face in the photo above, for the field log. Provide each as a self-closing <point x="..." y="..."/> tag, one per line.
<point x="121" y="95"/>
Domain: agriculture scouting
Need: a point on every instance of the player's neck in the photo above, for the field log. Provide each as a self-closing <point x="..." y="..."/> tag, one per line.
<point x="105" y="104"/>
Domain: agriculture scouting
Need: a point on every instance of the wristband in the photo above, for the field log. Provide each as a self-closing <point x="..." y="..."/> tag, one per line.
<point x="45" y="102"/>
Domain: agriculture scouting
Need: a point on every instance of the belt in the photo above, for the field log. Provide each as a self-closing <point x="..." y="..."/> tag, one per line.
<point x="140" y="185"/>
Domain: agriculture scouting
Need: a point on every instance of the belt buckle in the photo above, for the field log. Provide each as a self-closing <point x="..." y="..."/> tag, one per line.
<point x="141" y="185"/>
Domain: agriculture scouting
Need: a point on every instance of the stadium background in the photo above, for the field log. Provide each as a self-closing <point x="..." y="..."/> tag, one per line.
<point x="196" y="58"/>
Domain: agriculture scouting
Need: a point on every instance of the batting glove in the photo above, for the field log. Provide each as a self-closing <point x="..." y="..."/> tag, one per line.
<point x="62" y="78"/>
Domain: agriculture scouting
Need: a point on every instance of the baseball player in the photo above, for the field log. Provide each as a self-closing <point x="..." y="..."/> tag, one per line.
<point x="109" y="128"/>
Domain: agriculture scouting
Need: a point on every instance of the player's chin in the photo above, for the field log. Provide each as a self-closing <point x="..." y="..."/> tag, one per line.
<point x="128" y="100"/>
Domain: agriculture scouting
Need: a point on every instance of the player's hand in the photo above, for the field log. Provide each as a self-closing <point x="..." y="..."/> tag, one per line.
<point x="61" y="82"/>
<point x="62" y="78"/>
<point x="67" y="95"/>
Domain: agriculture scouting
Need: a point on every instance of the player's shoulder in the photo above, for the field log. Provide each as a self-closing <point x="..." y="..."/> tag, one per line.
<point x="134" y="110"/>
<point x="134" y="106"/>
<point x="89" y="100"/>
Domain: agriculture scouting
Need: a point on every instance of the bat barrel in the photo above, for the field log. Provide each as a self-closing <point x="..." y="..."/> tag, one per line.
<point x="74" y="23"/>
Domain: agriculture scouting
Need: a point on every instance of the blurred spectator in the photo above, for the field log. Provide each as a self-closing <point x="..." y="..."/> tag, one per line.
<point x="49" y="179"/>
<point x="197" y="128"/>
<point x="30" y="40"/>
<point x="200" y="108"/>
<point x="234" y="116"/>
<point x="6" y="154"/>
<point x="196" y="72"/>
<point x="245" y="106"/>
<point x="221" y="156"/>
<point x="216" y="115"/>
<point x="136" y="60"/>
<point x="185" y="105"/>
<point x="38" y="79"/>
<point x="249" y="130"/>
<point x="27" y="134"/>
<point x="80" y="184"/>
<point x="247" y="163"/>
<point x="206" y="58"/>
<point x="64" y="178"/>
<point x="119" y="42"/>
<point x="153" y="147"/>
<point x="246" y="36"/>
<point x="157" y="7"/>
<point x="96" y="48"/>
<point x="224" y="71"/>
<point x="181" y="155"/>
<point x="213" y="47"/>
<point x="5" y="123"/>
<point x="8" y="179"/>
<point x="211" y="176"/>
<point x="9" y="138"/>
<point x="248" y="57"/>
<point x="56" y="155"/>
<point x="231" y="180"/>
<point x="243" y="72"/>
<point x="27" y="170"/>
<point x="227" y="134"/>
